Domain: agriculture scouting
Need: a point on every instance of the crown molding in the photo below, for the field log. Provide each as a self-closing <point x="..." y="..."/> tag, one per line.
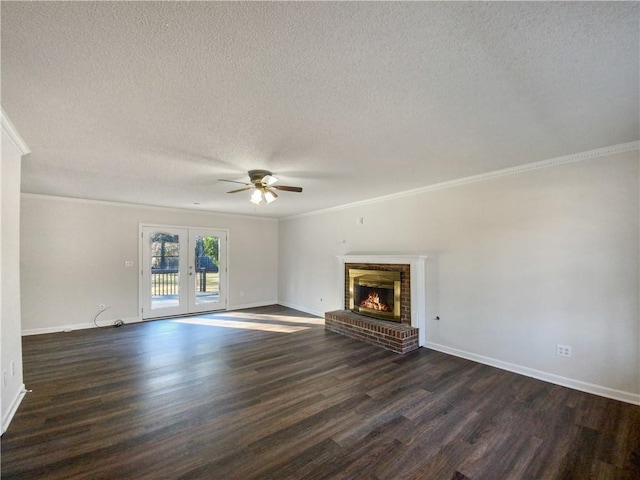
<point x="90" y="201"/>
<point x="12" y="133"/>
<point x="527" y="167"/>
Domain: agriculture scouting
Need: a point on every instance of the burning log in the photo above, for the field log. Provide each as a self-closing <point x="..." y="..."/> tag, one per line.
<point x="373" y="302"/>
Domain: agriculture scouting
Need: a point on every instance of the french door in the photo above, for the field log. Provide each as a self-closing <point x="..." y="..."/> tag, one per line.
<point x="184" y="270"/>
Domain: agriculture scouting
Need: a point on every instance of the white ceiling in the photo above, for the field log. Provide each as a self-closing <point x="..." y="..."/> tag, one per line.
<point x="152" y="102"/>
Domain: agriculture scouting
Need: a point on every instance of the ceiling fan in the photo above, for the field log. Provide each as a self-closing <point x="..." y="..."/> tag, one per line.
<point x="263" y="185"/>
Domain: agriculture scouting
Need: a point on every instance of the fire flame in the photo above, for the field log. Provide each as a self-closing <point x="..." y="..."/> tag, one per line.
<point x="373" y="302"/>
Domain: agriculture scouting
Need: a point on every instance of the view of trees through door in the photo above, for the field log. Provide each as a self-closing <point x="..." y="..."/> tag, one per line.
<point x="207" y="271"/>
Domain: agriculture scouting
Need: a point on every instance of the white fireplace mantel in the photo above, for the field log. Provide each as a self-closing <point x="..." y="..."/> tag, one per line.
<point x="417" y="265"/>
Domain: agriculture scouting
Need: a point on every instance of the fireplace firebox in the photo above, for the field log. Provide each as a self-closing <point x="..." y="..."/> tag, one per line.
<point x="375" y="293"/>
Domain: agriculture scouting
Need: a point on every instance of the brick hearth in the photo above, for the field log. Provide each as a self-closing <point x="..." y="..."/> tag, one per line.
<point x="400" y="337"/>
<point x="397" y="337"/>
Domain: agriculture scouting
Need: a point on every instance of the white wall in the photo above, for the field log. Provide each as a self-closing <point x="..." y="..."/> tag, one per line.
<point x="11" y="381"/>
<point x="74" y="251"/>
<point x="522" y="262"/>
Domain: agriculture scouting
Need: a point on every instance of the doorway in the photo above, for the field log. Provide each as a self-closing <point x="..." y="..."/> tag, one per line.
<point x="184" y="270"/>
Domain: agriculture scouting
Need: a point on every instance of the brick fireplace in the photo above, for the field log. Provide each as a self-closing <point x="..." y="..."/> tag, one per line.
<point x="404" y="274"/>
<point x="401" y="333"/>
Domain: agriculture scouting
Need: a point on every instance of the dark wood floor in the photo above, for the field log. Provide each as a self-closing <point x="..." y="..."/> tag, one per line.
<point x="283" y="399"/>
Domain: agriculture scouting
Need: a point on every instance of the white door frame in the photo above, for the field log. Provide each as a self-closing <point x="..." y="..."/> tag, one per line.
<point x="188" y="306"/>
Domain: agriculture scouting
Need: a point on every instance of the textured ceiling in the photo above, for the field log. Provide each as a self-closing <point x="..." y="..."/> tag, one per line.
<point x="152" y="102"/>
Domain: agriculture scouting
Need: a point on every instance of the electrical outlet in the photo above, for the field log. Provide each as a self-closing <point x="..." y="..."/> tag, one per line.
<point x="563" y="350"/>
<point x="102" y="307"/>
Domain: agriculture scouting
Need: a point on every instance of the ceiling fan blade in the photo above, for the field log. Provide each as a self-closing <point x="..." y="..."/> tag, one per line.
<point x="241" y="190"/>
<point x="233" y="181"/>
<point x="272" y="192"/>
<point x="287" y="188"/>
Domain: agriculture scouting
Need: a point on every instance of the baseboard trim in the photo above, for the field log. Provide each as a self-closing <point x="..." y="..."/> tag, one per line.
<point x="252" y="305"/>
<point x="301" y="308"/>
<point x="606" y="392"/>
<point x="105" y="323"/>
<point x="14" y="408"/>
<point x="76" y="326"/>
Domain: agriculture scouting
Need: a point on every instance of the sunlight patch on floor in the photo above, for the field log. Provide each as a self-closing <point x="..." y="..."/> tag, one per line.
<point x="271" y="317"/>
<point x="241" y="324"/>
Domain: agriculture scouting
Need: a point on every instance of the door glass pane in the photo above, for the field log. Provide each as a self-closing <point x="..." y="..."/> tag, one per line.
<point x="165" y="270"/>
<point x="207" y="277"/>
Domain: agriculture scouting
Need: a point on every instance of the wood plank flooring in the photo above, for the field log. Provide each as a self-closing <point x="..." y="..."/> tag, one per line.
<point x="268" y="394"/>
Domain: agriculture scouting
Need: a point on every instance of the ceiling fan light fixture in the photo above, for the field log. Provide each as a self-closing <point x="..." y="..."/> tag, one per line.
<point x="269" y="180"/>
<point x="263" y="187"/>
<point x="270" y="196"/>
<point x="256" y="197"/>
